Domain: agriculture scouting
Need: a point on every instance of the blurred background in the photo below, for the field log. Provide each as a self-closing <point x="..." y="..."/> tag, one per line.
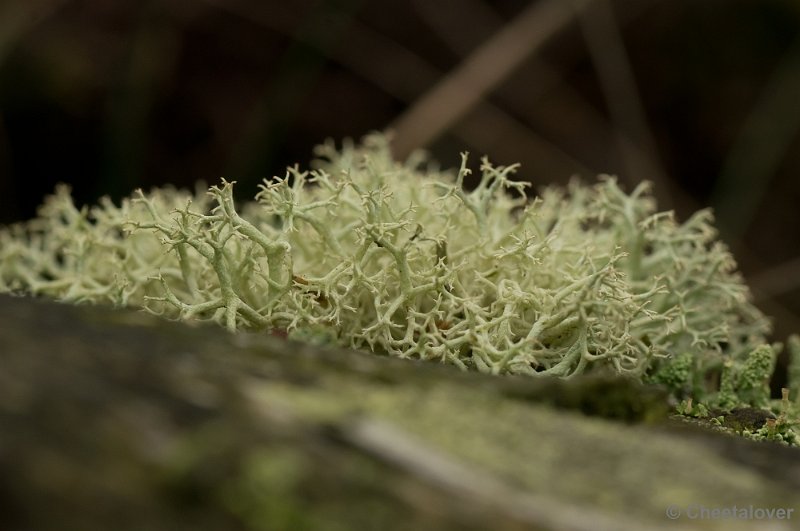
<point x="702" y="98"/>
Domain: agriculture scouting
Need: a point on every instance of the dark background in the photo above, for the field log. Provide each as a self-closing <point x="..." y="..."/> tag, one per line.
<point x="703" y="98"/>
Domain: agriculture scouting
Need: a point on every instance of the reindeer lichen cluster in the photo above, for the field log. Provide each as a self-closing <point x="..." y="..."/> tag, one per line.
<point x="370" y="253"/>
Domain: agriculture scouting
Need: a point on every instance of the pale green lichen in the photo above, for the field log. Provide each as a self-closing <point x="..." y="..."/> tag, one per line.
<point x="375" y="254"/>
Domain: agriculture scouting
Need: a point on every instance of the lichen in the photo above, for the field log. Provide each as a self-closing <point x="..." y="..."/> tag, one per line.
<point x="372" y="253"/>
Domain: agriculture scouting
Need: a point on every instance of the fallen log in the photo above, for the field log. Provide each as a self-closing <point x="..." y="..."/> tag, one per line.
<point x="113" y="419"/>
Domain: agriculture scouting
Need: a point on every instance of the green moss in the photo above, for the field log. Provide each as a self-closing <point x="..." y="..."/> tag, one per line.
<point x="753" y="381"/>
<point x="676" y="373"/>
<point x="793" y="345"/>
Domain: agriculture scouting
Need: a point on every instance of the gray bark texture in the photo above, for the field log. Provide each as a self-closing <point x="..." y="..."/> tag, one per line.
<point x="114" y="419"/>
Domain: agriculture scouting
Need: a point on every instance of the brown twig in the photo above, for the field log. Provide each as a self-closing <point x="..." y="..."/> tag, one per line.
<point x="635" y="140"/>
<point x="488" y="66"/>
<point x="402" y="74"/>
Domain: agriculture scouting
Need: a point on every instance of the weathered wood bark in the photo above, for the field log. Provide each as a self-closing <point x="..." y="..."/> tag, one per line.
<point x="117" y="420"/>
